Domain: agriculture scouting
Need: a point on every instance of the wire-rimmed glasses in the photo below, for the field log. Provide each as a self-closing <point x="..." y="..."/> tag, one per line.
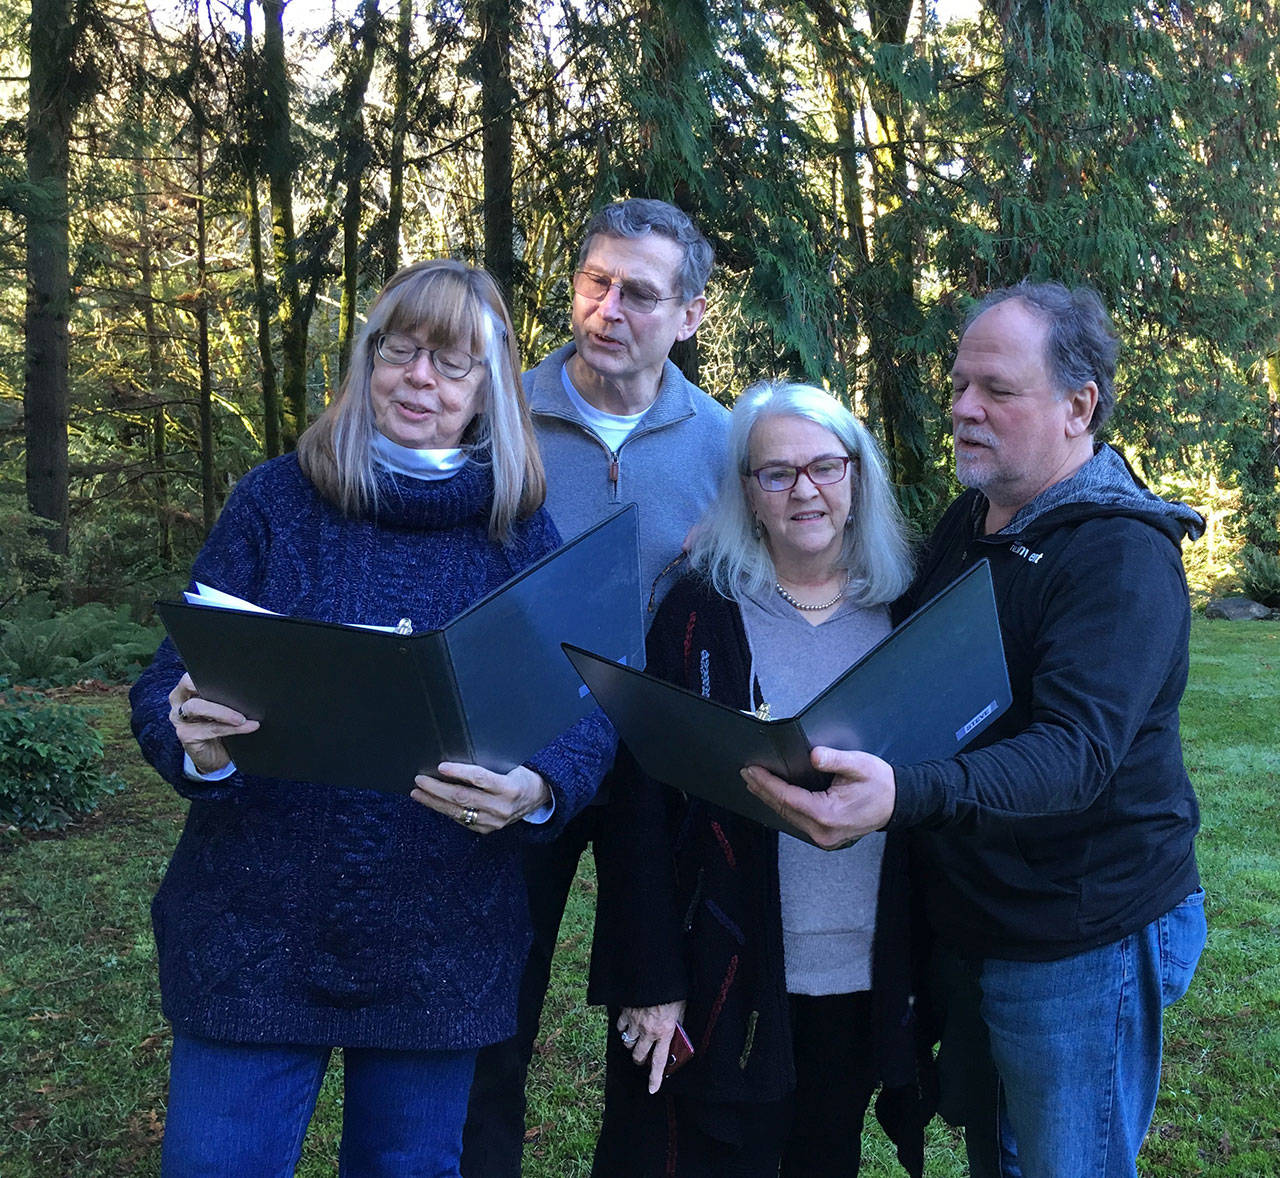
<point x="640" y="299"/>
<point x="401" y="350"/>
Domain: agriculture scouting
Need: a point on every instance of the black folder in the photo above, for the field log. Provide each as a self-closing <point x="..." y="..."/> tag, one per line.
<point x="348" y="706"/>
<point x="923" y="692"/>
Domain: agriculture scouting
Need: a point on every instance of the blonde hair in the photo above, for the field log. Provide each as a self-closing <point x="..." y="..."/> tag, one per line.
<point x="449" y="303"/>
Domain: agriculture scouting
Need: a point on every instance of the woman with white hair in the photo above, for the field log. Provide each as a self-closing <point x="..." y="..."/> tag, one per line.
<point x="295" y="917"/>
<point x="786" y="967"/>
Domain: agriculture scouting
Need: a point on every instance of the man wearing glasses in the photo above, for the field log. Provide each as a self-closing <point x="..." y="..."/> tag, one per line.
<point x="617" y="423"/>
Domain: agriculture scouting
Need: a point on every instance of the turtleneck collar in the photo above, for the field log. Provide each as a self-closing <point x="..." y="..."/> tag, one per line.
<point x="416" y="464"/>
<point x="408" y="501"/>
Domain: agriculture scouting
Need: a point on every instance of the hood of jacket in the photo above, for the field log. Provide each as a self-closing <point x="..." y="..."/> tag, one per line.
<point x="1106" y="485"/>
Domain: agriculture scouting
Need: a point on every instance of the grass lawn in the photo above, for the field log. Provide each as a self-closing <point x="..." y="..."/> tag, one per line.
<point x="83" y="1046"/>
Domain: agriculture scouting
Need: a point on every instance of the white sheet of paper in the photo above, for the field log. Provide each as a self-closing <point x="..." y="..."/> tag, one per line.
<point x="207" y="595"/>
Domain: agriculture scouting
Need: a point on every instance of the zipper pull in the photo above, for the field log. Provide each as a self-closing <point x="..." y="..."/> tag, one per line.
<point x="613" y="470"/>
<point x="404" y="627"/>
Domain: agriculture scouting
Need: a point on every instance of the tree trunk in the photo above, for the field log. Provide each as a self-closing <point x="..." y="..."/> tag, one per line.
<point x="354" y="155"/>
<point x="880" y="297"/>
<point x="497" y="97"/>
<point x="895" y="382"/>
<point x="155" y="368"/>
<point x="46" y="386"/>
<point x="1262" y="474"/>
<point x="208" y="493"/>
<point x="271" y="409"/>
<point x="155" y="376"/>
<point x="271" y="412"/>
<point x="833" y="57"/>
<point x="399" y="128"/>
<point x="280" y="166"/>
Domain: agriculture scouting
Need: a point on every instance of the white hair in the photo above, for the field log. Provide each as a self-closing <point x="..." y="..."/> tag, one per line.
<point x="877" y="548"/>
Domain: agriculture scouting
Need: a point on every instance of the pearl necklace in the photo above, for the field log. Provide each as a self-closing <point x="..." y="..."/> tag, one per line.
<point x="801" y="605"/>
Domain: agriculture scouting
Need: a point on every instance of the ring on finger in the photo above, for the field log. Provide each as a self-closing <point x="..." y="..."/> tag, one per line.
<point x="628" y="1040"/>
<point x="468" y="816"/>
<point x="182" y="710"/>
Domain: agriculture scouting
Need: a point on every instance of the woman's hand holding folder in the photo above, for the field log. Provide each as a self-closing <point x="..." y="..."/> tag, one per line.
<point x="201" y="724"/>
<point x="479" y="799"/>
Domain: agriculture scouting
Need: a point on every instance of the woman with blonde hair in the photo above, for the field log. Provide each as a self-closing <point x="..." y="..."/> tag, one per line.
<point x="294" y="917"/>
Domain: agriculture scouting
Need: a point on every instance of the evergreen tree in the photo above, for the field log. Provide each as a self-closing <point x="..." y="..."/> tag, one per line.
<point x="860" y="170"/>
<point x="63" y="77"/>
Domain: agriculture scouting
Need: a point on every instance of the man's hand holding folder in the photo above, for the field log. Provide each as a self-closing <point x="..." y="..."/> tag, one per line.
<point x="859" y="799"/>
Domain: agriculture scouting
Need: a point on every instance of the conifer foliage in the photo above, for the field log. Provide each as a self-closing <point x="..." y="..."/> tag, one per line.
<point x="197" y="201"/>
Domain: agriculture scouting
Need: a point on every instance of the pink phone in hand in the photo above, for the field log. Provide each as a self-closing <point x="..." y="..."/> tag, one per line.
<point x="681" y="1052"/>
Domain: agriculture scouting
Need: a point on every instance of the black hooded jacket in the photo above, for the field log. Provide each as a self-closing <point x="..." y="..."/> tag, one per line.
<point x="1070" y="822"/>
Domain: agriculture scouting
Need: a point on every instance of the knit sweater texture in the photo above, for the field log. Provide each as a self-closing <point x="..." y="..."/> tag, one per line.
<point x="293" y="912"/>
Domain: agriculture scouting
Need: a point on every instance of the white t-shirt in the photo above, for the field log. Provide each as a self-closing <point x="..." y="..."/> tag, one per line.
<point x="611" y="428"/>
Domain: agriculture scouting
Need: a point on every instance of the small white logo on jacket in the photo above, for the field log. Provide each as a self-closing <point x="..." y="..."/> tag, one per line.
<point x="1025" y="552"/>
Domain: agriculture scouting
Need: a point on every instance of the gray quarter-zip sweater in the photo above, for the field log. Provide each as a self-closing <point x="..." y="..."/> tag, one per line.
<point x="669" y="465"/>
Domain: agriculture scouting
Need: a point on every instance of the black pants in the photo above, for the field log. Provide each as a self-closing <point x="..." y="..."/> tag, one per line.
<point x="835" y="1080"/>
<point x="815" y="1132"/>
<point x="493" y="1140"/>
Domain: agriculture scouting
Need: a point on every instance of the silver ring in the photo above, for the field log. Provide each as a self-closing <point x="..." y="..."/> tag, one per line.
<point x="468" y="816"/>
<point x="628" y="1040"/>
<point x="182" y="711"/>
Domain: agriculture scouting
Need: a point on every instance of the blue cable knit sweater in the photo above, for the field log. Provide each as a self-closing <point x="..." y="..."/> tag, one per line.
<point x="298" y="913"/>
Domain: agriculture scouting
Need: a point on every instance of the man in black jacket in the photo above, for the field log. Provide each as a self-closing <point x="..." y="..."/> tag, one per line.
<point x="1056" y="853"/>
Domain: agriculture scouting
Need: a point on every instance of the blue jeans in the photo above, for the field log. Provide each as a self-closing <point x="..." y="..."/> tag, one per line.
<point x="1058" y="1062"/>
<point x="242" y="1108"/>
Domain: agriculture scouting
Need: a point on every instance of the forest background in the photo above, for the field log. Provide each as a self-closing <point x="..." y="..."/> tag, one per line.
<point x="198" y="199"/>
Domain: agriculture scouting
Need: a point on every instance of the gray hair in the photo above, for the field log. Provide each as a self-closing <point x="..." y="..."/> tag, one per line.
<point x="447" y="302"/>
<point x="1082" y="342"/>
<point x="877" y="546"/>
<point x="639" y="217"/>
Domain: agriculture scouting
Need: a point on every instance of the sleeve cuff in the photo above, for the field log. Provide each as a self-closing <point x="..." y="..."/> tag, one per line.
<point x="542" y="813"/>
<point x="189" y="768"/>
<point x="921" y="796"/>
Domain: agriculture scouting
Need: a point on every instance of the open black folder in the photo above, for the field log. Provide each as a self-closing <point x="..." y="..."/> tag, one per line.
<point x="923" y="692"/>
<point x="348" y="706"/>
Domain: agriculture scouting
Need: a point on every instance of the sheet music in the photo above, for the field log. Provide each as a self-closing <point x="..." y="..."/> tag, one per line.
<point x="207" y="595"/>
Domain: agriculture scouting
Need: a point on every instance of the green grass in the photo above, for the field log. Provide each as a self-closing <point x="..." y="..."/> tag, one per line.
<point x="83" y="1045"/>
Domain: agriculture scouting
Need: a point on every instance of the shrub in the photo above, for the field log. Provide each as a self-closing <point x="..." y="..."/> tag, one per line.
<point x="26" y="564"/>
<point x="1260" y="576"/>
<point x="51" y="768"/>
<point x="94" y="641"/>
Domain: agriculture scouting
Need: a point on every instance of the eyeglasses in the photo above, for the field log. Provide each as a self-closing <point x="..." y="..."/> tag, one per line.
<point x="591" y="285"/>
<point x="401" y="350"/>
<point x="821" y="472"/>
